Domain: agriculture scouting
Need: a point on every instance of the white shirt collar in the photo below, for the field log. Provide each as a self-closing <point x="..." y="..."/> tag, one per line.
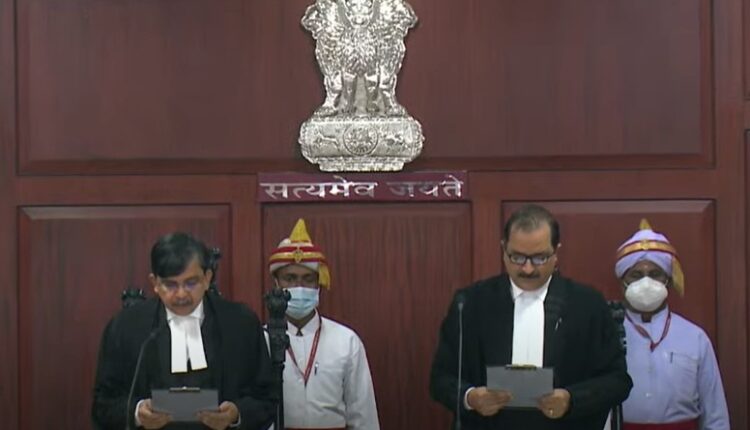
<point x="658" y="318"/>
<point x="308" y="328"/>
<point x="540" y="292"/>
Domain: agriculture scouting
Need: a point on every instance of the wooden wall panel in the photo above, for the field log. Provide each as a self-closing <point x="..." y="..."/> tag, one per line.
<point x="731" y="209"/>
<point x="488" y="224"/>
<point x="109" y="87"/>
<point x="237" y="191"/>
<point x="107" y="80"/>
<point x="543" y="78"/>
<point x="394" y="268"/>
<point x="591" y="232"/>
<point x="746" y="55"/>
<point x="74" y="262"/>
<point x="8" y="244"/>
<point x="8" y="306"/>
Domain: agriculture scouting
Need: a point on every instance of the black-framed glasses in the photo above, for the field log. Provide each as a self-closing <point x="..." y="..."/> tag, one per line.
<point x="173" y="286"/>
<point x="521" y="259"/>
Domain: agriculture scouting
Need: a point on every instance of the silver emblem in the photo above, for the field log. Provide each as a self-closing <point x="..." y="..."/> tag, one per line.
<point x="360" y="126"/>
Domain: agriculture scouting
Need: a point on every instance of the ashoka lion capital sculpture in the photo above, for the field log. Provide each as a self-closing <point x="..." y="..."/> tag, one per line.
<point x="360" y="49"/>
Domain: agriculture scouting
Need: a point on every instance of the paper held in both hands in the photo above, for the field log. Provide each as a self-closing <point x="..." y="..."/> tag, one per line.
<point x="184" y="403"/>
<point x="525" y="383"/>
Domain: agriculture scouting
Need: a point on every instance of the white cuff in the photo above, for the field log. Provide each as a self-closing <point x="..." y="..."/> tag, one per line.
<point x="137" y="406"/>
<point x="466" y="399"/>
<point x="237" y="423"/>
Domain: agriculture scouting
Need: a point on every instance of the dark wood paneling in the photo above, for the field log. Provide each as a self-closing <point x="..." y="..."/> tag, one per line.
<point x="247" y="247"/>
<point x="158" y="84"/>
<point x="8" y="261"/>
<point x="731" y="213"/>
<point x="153" y="190"/>
<point x="8" y="306"/>
<point x="746" y="49"/>
<point x="74" y="262"/>
<point x="163" y="80"/>
<point x="543" y="78"/>
<point x="236" y="191"/>
<point x="8" y="315"/>
<point x="591" y="232"/>
<point x="487" y="222"/>
<point x="394" y="268"/>
<point x="595" y="185"/>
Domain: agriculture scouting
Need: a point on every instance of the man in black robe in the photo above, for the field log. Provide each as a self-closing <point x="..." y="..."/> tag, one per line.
<point x="190" y="339"/>
<point x="531" y="316"/>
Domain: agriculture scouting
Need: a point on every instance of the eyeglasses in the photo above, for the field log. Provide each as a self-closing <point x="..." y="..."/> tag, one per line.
<point x="173" y="286"/>
<point x="521" y="259"/>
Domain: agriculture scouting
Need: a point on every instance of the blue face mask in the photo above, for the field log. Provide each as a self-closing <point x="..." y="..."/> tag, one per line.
<point x="303" y="302"/>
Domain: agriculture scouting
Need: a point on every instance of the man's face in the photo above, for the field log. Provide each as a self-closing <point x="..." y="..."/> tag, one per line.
<point x="181" y="294"/>
<point x="296" y="275"/>
<point x="642" y="269"/>
<point x="529" y="257"/>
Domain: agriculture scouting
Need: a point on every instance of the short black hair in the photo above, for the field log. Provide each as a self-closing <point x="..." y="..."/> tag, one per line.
<point x="172" y="253"/>
<point x="528" y="218"/>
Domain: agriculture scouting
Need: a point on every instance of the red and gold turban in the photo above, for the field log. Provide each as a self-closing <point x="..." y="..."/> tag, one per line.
<point x="299" y="249"/>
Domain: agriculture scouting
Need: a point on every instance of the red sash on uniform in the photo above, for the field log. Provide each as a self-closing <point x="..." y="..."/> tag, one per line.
<point x="682" y="425"/>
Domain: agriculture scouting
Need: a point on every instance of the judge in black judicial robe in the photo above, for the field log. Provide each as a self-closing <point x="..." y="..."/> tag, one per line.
<point x="237" y="362"/>
<point x="579" y="340"/>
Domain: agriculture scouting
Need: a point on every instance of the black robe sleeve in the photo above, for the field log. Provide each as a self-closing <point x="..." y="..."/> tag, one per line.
<point x="257" y="401"/>
<point x="610" y="383"/>
<point x="444" y="372"/>
<point x="112" y="384"/>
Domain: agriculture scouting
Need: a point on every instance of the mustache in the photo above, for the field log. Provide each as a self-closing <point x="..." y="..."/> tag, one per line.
<point x="528" y="275"/>
<point x="182" y="302"/>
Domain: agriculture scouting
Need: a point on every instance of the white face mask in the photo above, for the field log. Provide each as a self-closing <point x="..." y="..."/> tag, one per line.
<point x="303" y="302"/>
<point x="646" y="294"/>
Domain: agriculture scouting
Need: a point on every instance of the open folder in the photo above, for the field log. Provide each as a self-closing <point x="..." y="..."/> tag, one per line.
<point x="184" y="403"/>
<point x="525" y="383"/>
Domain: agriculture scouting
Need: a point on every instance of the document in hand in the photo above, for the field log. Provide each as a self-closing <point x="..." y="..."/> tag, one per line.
<point x="184" y="403"/>
<point x="525" y="383"/>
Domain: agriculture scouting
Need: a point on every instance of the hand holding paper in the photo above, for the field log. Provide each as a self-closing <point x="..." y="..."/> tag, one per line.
<point x="555" y="404"/>
<point x="527" y="384"/>
<point x="183" y="404"/>
<point x="487" y="402"/>
<point x="227" y="415"/>
<point x="149" y="418"/>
